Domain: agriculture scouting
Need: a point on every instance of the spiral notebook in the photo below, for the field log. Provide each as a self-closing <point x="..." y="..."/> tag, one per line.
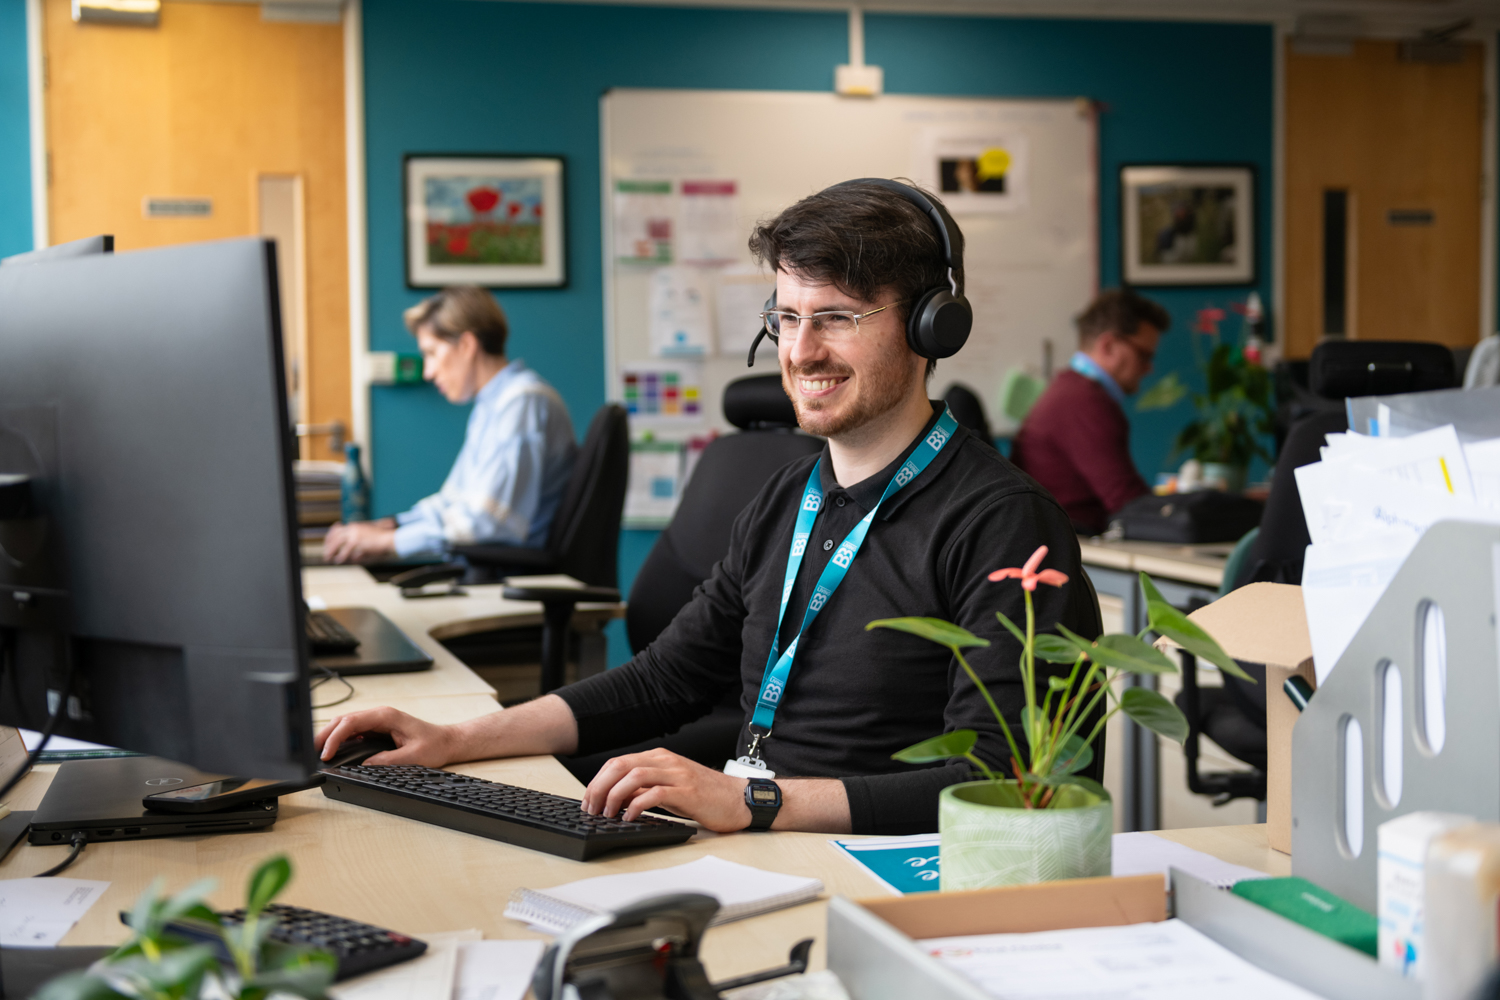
<point x="742" y="892"/>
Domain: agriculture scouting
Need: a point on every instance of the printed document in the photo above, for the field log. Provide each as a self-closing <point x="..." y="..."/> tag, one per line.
<point x="1160" y="961"/>
<point x="37" y="912"/>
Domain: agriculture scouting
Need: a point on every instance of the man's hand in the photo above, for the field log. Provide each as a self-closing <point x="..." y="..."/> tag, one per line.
<point x="660" y="778"/>
<point x="422" y="743"/>
<point x="363" y="541"/>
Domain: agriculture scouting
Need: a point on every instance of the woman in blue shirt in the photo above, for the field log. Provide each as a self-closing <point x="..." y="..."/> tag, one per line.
<point x="518" y="450"/>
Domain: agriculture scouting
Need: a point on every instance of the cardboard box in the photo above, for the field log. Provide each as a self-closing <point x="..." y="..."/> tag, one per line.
<point x="1266" y="623"/>
<point x="873" y="943"/>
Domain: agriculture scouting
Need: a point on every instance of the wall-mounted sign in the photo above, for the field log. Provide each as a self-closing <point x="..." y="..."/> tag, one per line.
<point x="177" y="208"/>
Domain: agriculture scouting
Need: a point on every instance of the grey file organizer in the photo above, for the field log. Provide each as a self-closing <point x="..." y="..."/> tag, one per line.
<point x="1453" y="566"/>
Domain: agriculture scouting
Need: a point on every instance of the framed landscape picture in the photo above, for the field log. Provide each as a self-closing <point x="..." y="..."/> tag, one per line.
<point x="1188" y="225"/>
<point x="485" y="220"/>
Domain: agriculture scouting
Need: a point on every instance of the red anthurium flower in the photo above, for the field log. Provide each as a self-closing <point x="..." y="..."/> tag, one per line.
<point x="483" y="199"/>
<point x="1209" y="320"/>
<point x="1028" y="574"/>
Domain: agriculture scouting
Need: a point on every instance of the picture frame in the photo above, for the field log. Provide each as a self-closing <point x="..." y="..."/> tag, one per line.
<point x="1188" y="224"/>
<point x="492" y="220"/>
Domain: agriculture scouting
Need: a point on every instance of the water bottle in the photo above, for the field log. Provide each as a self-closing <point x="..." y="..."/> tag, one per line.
<point x="354" y="493"/>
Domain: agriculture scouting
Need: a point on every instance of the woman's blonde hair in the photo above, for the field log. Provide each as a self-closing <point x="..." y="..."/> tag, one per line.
<point x="458" y="310"/>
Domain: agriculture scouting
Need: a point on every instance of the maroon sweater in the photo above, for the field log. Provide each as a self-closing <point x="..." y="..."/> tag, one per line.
<point x="1076" y="443"/>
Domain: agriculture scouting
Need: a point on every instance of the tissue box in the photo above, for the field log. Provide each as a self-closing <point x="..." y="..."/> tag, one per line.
<point x="1402" y="845"/>
<point x="1460" y="911"/>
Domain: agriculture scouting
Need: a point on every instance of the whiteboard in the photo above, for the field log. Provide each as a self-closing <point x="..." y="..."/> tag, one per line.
<point x="1031" y="256"/>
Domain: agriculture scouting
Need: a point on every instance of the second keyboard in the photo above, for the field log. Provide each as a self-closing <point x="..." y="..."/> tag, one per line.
<point x="513" y="815"/>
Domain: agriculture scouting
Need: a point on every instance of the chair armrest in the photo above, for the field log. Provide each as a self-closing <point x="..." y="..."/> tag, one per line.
<point x="563" y="595"/>
<point x="510" y="556"/>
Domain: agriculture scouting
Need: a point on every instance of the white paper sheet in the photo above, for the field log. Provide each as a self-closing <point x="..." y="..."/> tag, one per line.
<point x="495" y="970"/>
<point x="37" y="912"/>
<point x="644" y="217"/>
<point x="1160" y="961"/>
<point x="1146" y="854"/>
<point x="709" y="229"/>
<point x="428" y="977"/>
<point x="681" y="323"/>
<point x="1483" y="459"/>
<point x="1341" y="581"/>
<point x="740" y="295"/>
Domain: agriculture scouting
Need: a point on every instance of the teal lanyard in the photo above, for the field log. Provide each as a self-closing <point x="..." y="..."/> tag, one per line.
<point x="773" y="684"/>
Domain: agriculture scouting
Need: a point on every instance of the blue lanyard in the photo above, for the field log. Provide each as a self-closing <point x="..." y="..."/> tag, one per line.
<point x="773" y="684"/>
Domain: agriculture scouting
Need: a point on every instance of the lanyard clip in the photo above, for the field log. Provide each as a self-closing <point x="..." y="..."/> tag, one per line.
<point x="755" y="739"/>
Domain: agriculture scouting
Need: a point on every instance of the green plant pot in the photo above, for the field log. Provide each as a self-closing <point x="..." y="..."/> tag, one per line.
<point x="988" y="839"/>
<point x="1232" y="476"/>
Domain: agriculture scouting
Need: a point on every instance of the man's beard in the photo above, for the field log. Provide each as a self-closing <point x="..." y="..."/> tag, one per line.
<point x="883" y="387"/>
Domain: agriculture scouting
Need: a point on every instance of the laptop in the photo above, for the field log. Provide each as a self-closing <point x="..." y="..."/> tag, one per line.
<point x="383" y="648"/>
<point x="102" y="798"/>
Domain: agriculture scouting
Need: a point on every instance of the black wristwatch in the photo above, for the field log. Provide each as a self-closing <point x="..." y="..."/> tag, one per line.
<point x="763" y="796"/>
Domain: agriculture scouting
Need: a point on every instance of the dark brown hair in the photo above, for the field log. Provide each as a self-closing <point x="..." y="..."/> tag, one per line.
<point x="1121" y="311"/>
<point x="458" y="310"/>
<point x="860" y="238"/>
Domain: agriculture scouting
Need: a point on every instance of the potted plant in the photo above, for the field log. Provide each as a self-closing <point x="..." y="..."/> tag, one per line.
<point x="1046" y="821"/>
<point x="1235" y="409"/>
<point x="156" y="964"/>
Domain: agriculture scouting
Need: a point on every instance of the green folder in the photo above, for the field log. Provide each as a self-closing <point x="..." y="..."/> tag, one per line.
<point x="1315" y="908"/>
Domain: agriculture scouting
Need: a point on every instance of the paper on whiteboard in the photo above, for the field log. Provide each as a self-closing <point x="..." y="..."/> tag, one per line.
<point x="643" y="220"/>
<point x="1164" y="961"/>
<point x="708" y="222"/>
<point x="740" y="295"/>
<point x="680" y="318"/>
<point x="974" y="168"/>
<point x="37" y="912"/>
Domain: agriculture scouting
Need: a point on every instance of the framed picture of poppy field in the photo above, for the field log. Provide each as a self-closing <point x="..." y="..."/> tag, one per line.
<point x="485" y="220"/>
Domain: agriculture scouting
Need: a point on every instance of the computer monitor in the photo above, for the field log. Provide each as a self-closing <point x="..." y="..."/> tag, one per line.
<point x="147" y="525"/>
<point x="87" y="247"/>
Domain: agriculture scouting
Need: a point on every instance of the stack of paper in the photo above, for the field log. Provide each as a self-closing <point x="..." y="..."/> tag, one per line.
<point x="1165" y="961"/>
<point x="1366" y="503"/>
<point x="742" y="891"/>
<point x="457" y="965"/>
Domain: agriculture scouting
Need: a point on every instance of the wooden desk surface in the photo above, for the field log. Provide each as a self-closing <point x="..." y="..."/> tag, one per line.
<point x="417" y="878"/>
<point x="1200" y="564"/>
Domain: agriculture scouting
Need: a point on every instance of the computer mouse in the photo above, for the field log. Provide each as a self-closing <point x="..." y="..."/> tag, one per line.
<point x="358" y="750"/>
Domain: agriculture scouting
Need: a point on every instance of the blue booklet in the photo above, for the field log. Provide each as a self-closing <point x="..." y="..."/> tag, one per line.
<point x="901" y="864"/>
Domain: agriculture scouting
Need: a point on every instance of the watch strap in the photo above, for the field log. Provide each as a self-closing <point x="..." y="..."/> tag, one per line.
<point x="761" y="815"/>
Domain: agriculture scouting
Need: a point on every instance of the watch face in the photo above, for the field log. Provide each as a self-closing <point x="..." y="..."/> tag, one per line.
<point x="765" y="795"/>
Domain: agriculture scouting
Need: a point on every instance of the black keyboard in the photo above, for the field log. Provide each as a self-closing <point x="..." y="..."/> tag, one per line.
<point x="359" y="948"/>
<point x="326" y="634"/>
<point x="506" y="813"/>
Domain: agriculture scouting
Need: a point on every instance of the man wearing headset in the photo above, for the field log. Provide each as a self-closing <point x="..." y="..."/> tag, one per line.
<point x="904" y="513"/>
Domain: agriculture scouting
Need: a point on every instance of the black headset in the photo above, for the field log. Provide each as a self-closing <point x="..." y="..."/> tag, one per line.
<point x="941" y="318"/>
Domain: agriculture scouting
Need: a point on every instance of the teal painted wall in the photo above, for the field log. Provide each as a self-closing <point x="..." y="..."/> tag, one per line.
<point x="479" y="77"/>
<point x="15" y="132"/>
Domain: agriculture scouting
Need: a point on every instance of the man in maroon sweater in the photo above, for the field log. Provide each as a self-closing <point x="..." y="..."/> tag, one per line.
<point x="1076" y="440"/>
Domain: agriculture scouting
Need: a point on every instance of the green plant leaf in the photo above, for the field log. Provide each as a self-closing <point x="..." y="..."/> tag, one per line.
<point x="1034" y="724"/>
<point x="1075" y="756"/>
<point x="1165" y="392"/>
<point x="1148" y="708"/>
<point x="1015" y="629"/>
<point x="954" y="744"/>
<point x="1055" y="683"/>
<point x="78" y="986"/>
<point x="147" y="904"/>
<point x="1123" y="652"/>
<point x="1055" y="649"/>
<point x="269" y="879"/>
<point x="1087" y="784"/>
<point x="1168" y="621"/>
<point x="302" y="972"/>
<point x="189" y="900"/>
<point x="932" y="629"/>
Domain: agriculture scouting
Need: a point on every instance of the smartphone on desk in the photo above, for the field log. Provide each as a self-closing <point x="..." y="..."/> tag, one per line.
<point x="211" y="796"/>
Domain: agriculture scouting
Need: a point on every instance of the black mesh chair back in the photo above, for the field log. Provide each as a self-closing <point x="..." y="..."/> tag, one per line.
<point x="730" y="472"/>
<point x="968" y="410"/>
<point x="584" y="539"/>
<point x="1343" y="368"/>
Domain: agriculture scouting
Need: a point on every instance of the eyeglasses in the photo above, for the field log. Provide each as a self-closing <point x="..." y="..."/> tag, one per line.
<point x="1142" y="354"/>
<point x="831" y="324"/>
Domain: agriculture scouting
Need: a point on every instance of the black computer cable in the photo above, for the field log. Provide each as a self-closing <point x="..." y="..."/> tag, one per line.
<point x="332" y="675"/>
<point x="52" y="721"/>
<point x="78" y="840"/>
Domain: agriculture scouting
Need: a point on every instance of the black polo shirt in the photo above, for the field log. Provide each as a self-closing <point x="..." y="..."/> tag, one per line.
<point x="854" y="696"/>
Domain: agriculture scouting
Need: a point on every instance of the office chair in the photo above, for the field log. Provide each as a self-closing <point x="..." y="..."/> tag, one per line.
<point x="583" y="542"/>
<point x="731" y="471"/>
<point x="969" y="411"/>
<point x="1234" y="716"/>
